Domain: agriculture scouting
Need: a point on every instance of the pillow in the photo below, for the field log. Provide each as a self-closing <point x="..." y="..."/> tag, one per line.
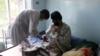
<point x="75" y="41"/>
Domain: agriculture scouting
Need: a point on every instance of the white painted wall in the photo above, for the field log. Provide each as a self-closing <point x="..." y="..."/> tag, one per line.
<point x="83" y="17"/>
<point x="39" y="5"/>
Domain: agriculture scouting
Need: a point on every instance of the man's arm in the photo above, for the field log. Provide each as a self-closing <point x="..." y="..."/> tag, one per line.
<point x="48" y="31"/>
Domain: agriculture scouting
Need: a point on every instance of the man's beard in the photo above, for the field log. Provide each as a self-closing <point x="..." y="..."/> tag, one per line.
<point x="56" y="24"/>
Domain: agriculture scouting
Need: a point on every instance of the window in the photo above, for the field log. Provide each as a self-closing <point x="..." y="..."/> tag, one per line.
<point x="9" y="9"/>
<point x="3" y="16"/>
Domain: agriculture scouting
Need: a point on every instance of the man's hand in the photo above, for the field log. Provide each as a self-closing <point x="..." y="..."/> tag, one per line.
<point x="44" y="37"/>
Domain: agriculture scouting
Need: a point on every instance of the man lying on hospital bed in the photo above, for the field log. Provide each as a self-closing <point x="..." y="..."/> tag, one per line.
<point x="87" y="48"/>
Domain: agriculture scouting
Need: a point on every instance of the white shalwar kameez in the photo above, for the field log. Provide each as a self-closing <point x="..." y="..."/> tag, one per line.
<point x="25" y="24"/>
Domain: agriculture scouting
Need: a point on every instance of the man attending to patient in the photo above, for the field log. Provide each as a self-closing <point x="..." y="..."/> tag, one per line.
<point x="61" y="35"/>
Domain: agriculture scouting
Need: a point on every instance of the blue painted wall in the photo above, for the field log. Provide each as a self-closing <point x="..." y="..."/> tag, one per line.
<point x="83" y="17"/>
<point x="39" y="5"/>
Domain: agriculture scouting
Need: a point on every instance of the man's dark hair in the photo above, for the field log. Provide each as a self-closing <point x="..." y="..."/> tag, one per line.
<point x="45" y="12"/>
<point x="56" y="15"/>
